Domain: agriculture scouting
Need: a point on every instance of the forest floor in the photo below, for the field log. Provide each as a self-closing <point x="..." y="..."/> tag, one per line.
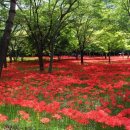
<point x="93" y="96"/>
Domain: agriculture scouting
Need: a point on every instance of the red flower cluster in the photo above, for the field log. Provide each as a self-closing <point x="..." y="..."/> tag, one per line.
<point x="83" y="93"/>
<point x="24" y="115"/>
<point x="3" y="118"/>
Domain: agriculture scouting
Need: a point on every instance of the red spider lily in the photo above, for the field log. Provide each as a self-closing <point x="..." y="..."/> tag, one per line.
<point x="69" y="127"/>
<point x="44" y="120"/>
<point x="57" y="116"/>
<point x="124" y="112"/>
<point x="16" y="120"/>
<point x="24" y="115"/>
<point x="96" y="87"/>
<point x="3" y="118"/>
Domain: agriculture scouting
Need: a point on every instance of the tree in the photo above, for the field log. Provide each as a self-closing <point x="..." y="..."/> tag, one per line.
<point x="85" y="20"/>
<point x="67" y="43"/>
<point x="31" y="11"/>
<point x="6" y="35"/>
<point x="45" y="20"/>
<point x="109" y="38"/>
<point x="109" y="41"/>
<point x="57" y="23"/>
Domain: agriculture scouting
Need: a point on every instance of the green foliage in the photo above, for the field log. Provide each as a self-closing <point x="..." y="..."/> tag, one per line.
<point x="94" y="26"/>
<point x="107" y="41"/>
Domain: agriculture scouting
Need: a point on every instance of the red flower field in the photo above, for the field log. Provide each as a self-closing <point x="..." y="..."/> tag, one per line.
<point x="96" y="91"/>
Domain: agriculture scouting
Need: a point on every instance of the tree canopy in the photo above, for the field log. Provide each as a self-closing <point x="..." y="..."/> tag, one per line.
<point x="60" y="27"/>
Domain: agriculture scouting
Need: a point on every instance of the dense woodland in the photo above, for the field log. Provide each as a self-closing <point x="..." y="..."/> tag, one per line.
<point x="63" y="27"/>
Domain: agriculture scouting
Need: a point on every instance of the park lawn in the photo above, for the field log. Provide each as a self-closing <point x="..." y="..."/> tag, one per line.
<point x="94" y="96"/>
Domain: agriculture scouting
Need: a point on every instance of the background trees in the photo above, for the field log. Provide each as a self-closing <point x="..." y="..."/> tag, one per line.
<point x="85" y="21"/>
<point x="57" y="27"/>
<point x="45" y="20"/>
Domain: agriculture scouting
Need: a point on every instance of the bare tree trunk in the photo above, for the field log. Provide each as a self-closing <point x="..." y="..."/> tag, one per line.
<point x="5" y="63"/>
<point x="40" y="59"/>
<point x="6" y="36"/>
<point x="51" y="58"/>
<point x="82" y="55"/>
<point x="10" y="57"/>
<point x="109" y="53"/>
<point x="59" y="57"/>
<point x="109" y="57"/>
<point x="76" y="55"/>
<point x="105" y="55"/>
<point x="22" y="58"/>
<point x="128" y="55"/>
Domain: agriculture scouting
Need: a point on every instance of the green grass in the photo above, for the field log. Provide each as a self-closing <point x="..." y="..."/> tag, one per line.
<point x="128" y="79"/>
<point x="80" y="85"/>
<point x="35" y="124"/>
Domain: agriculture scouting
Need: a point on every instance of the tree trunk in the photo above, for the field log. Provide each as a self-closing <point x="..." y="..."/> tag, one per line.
<point x="10" y="58"/>
<point x="89" y="54"/>
<point x="105" y="55"/>
<point x="59" y="57"/>
<point x="6" y="35"/>
<point x="109" y="57"/>
<point x="76" y="56"/>
<point x="128" y="55"/>
<point x="40" y="56"/>
<point x="5" y="63"/>
<point x="51" y="57"/>
<point x="40" y="61"/>
<point x="21" y="58"/>
<point x="114" y="53"/>
<point x="82" y="55"/>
